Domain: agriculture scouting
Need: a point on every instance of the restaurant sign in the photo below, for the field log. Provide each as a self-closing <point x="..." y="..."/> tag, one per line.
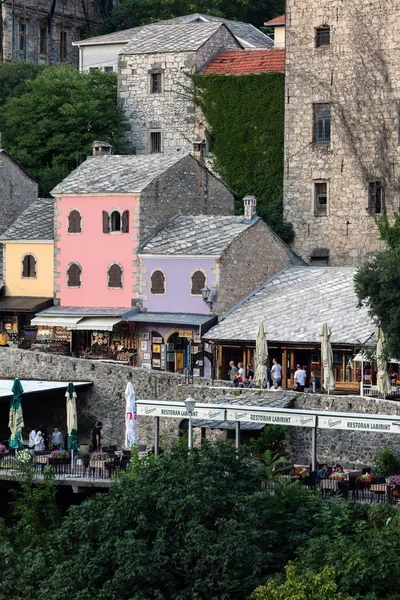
<point x="177" y="412"/>
<point x="350" y="424"/>
<point x="257" y="416"/>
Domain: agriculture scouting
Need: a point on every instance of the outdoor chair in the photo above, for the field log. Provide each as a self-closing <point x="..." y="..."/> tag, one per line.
<point x="380" y="493"/>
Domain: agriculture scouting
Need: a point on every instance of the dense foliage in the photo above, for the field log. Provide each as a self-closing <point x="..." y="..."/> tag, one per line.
<point x="378" y="285"/>
<point x="13" y="76"/>
<point x="132" y="13"/>
<point x="246" y="119"/>
<point x="50" y="127"/>
<point x="199" y="526"/>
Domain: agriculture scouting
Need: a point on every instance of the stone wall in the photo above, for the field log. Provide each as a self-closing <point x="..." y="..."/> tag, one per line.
<point x="357" y="73"/>
<point x="249" y="260"/>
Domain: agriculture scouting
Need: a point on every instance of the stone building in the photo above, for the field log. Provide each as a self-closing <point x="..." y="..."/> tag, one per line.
<point x="43" y="32"/>
<point x="341" y="126"/>
<point x="17" y="191"/>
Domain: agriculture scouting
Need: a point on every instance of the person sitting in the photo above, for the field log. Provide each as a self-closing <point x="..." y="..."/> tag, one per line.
<point x="322" y="473"/>
<point x="276" y="387"/>
<point x="338" y="469"/>
<point x="315" y="383"/>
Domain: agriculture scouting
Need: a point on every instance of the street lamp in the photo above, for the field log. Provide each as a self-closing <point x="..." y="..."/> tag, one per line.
<point x="190" y="404"/>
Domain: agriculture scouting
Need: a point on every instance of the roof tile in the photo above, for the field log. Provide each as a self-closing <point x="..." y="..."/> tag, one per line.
<point x="246" y="62"/>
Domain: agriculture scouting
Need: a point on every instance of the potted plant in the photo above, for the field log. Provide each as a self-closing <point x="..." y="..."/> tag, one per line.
<point x="338" y="476"/>
<point x="97" y="459"/>
<point x="301" y="472"/>
<point x="60" y="457"/>
<point x="366" y="477"/>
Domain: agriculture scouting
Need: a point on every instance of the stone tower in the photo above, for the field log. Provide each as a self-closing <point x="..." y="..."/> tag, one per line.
<point x="342" y="134"/>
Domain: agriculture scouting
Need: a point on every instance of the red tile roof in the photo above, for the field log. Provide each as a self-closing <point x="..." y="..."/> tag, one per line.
<point x="246" y="62"/>
<point x="277" y="21"/>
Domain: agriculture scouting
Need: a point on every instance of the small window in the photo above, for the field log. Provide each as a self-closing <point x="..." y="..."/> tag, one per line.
<point x="43" y="40"/>
<point x="23" y="27"/>
<point x="155" y="142"/>
<point x="29" y="266"/>
<point x="322" y="36"/>
<point x="74" y="275"/>
<point x="115" y="276"/>
<point x="376" y="197"/>
<point x="74" y="222"/>
<point x="108" y="69"/>
<point x="115" y="221"/>
<point x="63" y="45"/>
<point x="158" y="283"/>
<point x="320" y="198"/>
<point x="198" y="283"/>
<point x="322" y="123"/>
<point x="155" y="83"/>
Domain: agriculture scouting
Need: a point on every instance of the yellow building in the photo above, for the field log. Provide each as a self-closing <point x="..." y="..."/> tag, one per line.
<point x="28" y="270"/>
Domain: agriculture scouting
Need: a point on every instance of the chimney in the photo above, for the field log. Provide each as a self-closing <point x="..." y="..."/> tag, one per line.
<point x="200" y="149"/>
<point x="101" y="148"/>
<point x="250" y="207"/>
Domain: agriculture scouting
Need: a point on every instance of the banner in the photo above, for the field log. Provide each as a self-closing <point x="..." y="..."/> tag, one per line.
<point x="257" y="416"/>
<point x="359" y="424"/>
<point x="177" y="412"/>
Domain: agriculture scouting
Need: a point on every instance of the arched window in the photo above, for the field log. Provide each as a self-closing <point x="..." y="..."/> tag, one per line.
<point x="74" y="275"/>
<point x="198" y="282"/>
<point x="115" y="221"/>
<point x="158" y="283"/>
<point x="29" y="266"/>
<point x="115" y="276"/>
<point x="74" y="222"/>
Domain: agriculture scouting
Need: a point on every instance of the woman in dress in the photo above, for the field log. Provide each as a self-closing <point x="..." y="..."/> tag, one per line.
<point x="39" y="442"/>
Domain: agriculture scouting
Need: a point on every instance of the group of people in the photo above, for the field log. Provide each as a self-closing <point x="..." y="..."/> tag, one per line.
<point x="38" y="440"/>
<point x="324" y="471"/>
<point x="273" y="377"/>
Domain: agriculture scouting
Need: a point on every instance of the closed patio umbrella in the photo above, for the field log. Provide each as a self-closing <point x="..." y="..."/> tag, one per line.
<point x="261" y="355"/>
<point x="383" y="379"/>
<point x="327" y="357"/>
<point x="16" y="419"/>
<point x="130" y="416"/>
<point x="72" y="418"/>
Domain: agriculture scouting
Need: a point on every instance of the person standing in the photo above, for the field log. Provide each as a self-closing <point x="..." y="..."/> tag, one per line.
<point x="56" y="438"/>
<point x="39" y="442"/>
<point x="276" y="372"/>
<point x="241" y="373"/>
<point x="97" y="436"/>
<point x="299" y="379"/>
<point x="233" y="371"/>
<point x="32" y="437"/>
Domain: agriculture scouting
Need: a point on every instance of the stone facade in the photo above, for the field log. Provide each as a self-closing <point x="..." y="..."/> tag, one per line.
<point x="172" y="112"/>
<point x="356" y="73"/>
<point x="43" y="32"/>
<point x="17" y="191"/>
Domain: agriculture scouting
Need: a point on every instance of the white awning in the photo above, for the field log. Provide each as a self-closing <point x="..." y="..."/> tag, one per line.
<point x="49" y="321"/>
<point x="360" y="357"/>
<point x="97" y="323"/>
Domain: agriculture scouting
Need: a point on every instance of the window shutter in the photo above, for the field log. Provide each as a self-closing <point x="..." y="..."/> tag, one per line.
<point x="158" y="283"/>
<point x="106" y="222"/>
<point x="25" y="266"/>
<point x="74" y="222"/>
<point x="32" y="266"/>
<point x="74" y="276"/>
<point x="198" y="282"/>
<point x="125" y="221"/>
<point x="115" y="276"/>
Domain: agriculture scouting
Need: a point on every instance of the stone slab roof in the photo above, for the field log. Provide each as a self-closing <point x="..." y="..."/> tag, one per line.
<point x="171" y="37"/>
<point x="206" y="235"/>
<point x="278" y="21"/>
<point x="294" y="304"/>
<point x="247" y="34"/>
<point x="245" y="62"/>
<point x="87" y="311"/>
<point x="114" y="173"/>
<point x="35" y="223"/>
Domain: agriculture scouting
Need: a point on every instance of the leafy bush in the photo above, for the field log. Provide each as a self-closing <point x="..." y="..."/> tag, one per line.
<point x="385" y="463"/>
<point x="271" y="439"/>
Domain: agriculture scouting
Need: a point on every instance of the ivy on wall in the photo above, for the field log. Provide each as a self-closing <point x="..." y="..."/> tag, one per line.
<point x="245" y="114"/>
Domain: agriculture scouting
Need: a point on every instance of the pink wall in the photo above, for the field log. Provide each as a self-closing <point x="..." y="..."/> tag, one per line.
<point x="95" y="251"/>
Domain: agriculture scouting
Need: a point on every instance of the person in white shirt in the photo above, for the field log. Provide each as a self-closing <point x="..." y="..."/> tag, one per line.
<point x="39" y="442"/>
<point x="299" y="379"/>
<point x="32" y="437"/>
<point x="241" y="373"/>
<point x="276" y="372"/>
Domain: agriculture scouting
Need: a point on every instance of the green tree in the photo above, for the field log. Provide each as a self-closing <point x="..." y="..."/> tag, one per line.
<point x="246" y="118"/>
<point x="132" y="13"/>
<point x="306" y="586"/>
<point x="50" y="127"/>
<point x="13" y="76"/>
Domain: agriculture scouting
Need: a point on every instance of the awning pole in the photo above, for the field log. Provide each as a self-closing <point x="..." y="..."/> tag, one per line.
<point x="157" y="436"/>
<point x="362" y="379"/>
<point x="237" y="435"/>
<point x="314" y="449"/>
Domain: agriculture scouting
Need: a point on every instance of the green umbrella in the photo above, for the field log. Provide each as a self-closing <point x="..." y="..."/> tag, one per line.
<point x="16" y="420"/>
<point x="72" y="418"/>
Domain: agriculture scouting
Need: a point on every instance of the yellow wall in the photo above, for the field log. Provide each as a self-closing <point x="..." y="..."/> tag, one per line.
<point x="39" y="286"/>
<point x="279" y="37"/>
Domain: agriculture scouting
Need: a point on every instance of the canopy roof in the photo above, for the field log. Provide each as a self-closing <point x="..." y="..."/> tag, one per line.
<point x="33" y="386"/>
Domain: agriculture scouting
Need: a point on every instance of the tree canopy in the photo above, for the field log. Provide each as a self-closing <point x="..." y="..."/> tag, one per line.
<point x="132" y="13"/>
<point x="50" y="127"/>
